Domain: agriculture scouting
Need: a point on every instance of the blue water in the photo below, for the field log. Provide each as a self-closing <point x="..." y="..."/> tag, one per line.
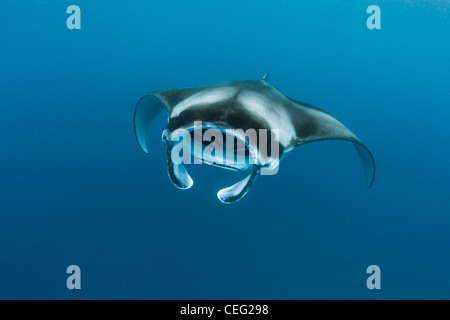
<point x="75" y="188"/>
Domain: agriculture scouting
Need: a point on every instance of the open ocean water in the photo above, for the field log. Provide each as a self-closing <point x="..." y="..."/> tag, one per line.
<point x="75" y="188"/>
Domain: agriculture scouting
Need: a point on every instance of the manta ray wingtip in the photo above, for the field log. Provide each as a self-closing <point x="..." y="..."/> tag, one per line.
<point x="147" y="108"/>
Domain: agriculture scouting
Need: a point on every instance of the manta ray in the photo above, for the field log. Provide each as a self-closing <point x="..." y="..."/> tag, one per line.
<point x="235" y="107"/>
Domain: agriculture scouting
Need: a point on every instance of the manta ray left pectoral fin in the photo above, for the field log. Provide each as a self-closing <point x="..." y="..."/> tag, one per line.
<point x="150" y="105"/>
<point x="147" y="108"/>
<point x="238" y="190"/>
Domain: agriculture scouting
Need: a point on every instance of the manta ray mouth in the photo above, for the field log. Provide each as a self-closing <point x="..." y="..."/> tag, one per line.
<point x="212" y="145"/>
<point x="219" y="147"/>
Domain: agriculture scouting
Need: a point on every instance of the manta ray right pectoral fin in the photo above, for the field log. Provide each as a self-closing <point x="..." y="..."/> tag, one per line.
<point x="367" y="161"/>
<point x="313" y="124"/>
<point x="238" y="190"/>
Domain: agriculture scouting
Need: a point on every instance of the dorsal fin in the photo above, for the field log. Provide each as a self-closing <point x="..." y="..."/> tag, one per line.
<point x="266" y="76"/>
